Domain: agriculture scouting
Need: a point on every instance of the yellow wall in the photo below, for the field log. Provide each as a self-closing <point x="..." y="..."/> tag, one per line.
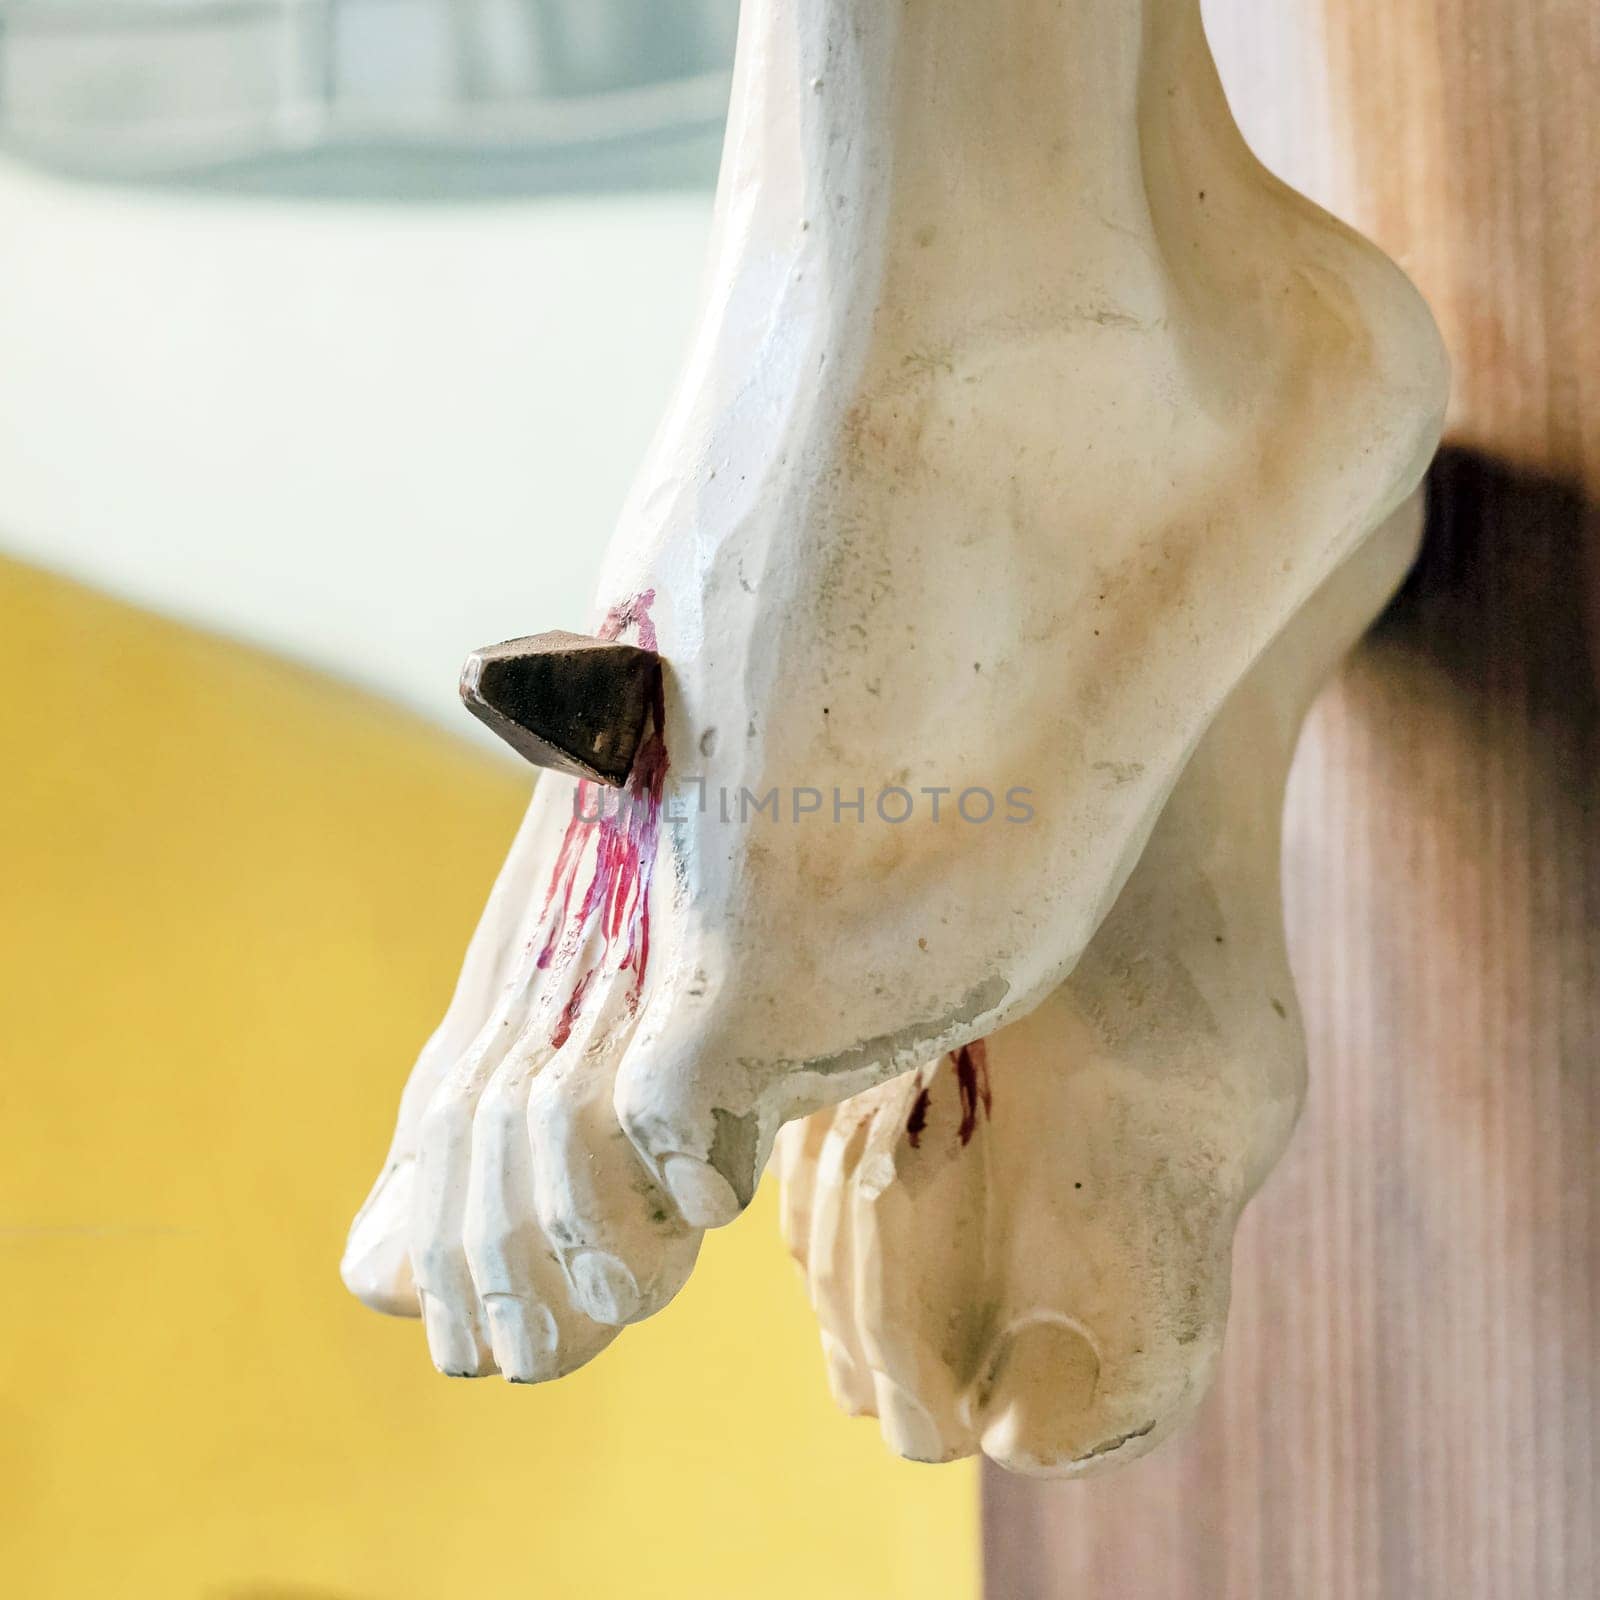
<point x="232" y="897"/>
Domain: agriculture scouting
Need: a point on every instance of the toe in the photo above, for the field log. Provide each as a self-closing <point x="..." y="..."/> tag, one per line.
<point x="830" y="1253"/>
<point x="524" y="1338"/>
<point x="1038" y="1411"/>
<point x="700" y="1138"/>
<point x="919" y="1281"/>
<point x="702" y="1191"/>
<point x="376" y="1266"/>
<point x="453" y="1340"/>
<point x="795" y="1155"/>
<point x="909" y="1427"/>
<point x="831" y="1246"/>
<point x="438" y="1214"/>
<point x="443" y="1186"/>
<point x="534" y="1328"/>
<point x="849" y="1382"/>
<point x="500" y="1235"/>
<point x="606" y="1287"/>
<point x="497" y="963"/>
<point x="624" y="1246"/>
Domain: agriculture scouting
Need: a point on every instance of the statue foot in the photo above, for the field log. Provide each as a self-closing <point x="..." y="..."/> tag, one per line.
<point x="977" y="501"/>
<point x="1024" y="1248"/>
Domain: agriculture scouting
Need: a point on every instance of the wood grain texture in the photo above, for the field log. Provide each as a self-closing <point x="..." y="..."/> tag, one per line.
<point x="1409" y="1401"/>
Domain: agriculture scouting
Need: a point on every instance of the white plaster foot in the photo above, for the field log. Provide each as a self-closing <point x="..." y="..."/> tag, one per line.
<point x="1024" y="1248"/>
<point x="1025" y="410"/>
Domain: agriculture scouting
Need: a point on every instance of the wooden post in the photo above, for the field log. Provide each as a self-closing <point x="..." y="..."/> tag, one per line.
<point x="1410" y="1399"/>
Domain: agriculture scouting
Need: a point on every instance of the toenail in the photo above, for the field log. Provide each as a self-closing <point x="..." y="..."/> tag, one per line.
<point x="523" y="1338"/>
<point x="851" y="1391"/>
<point x="605" y="1287"/>
<point x="450" y="1341"/>
<point x="1045" y="1357"/>
<point x="909" y="1429"/>
<point x="702" y="1194"/>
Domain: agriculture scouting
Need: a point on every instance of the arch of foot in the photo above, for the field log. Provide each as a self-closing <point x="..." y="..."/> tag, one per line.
<point x="1023" y="413"/>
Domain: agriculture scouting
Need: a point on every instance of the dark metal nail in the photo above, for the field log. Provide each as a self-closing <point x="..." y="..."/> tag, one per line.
<point x="565" y="701"/>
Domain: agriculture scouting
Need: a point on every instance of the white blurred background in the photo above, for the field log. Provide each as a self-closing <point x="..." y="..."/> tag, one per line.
<point x="342" y="324"/>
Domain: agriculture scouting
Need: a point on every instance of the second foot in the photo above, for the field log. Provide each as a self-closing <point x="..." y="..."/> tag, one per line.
<point x="1024" y="1248"/>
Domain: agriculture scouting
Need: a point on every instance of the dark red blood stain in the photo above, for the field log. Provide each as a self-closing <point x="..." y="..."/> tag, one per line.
<point x="972" y="1079"/>
<point x="972" y="1083"/>
<point x="626" y="826"/>
<point x="918" y="1120"/>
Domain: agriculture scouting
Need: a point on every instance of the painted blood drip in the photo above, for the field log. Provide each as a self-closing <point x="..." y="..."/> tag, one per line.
<point x="971" y="1063"/>
<point x="918" y="1120"/>
<point x="626" y="827"/>
<point x="972" y="1079"/>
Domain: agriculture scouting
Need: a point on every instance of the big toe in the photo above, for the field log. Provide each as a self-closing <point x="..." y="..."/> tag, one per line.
<point x="625" y="1250"/>
<point x="1039" y="1416"/>
<point x="691" y="1124"/>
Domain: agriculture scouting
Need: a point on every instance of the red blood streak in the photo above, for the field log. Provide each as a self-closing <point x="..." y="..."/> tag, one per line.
<point x="570" y="1011"/>
<point x="918" y="1120"/>
<point x="626" y="828"/>
<point x="972" y="1084"/>
<point x="972" y="1079"/>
